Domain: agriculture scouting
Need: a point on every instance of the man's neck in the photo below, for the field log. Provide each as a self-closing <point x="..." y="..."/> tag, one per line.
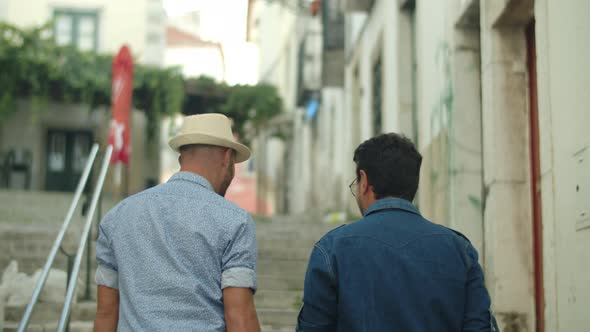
<point x="372" y="199"/>
<point x="203" y="173"/>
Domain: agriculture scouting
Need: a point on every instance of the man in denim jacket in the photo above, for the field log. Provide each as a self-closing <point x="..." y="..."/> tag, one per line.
<point x="393" y="270"/>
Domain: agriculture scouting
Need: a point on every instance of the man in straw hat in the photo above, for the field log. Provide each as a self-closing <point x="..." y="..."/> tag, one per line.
<point x="180" y="257"/>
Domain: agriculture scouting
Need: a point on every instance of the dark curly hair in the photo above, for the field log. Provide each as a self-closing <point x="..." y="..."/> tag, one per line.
<point x="392" y="165"/>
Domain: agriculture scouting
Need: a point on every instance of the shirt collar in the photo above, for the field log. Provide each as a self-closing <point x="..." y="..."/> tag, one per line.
<point x="192" y="177"/>
<point x="392" y="203"/>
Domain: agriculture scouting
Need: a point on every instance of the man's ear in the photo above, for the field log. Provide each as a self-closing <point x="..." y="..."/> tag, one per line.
<point x="364" y="186"/>
<point x="227" y="156"/>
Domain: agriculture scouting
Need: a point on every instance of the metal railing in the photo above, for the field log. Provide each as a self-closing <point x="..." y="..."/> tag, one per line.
<point x="65" y="314"/>
<point x="63" y="322"/>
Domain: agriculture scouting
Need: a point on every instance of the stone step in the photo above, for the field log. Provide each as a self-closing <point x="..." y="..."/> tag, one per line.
<point x="273" y="282"/>
<point x="314" y="230"/>
<point x="271" y="319"/>
<point x="284" y="253"/>
<point x="282" y="267"/>
<point x="310" y="216"/>
<point x="295" y="230"/>
<point x="84" y="311"/>
<point x="289" y="328"/>
<point x="277" y="318"/>
<point x="43" y="313"/>
<point x="278" y="299"/>
<point x="88" y="327"/>
<point x="75" y="326"/>
<point x="50" y="312"/>
<point x="13" y="327"/>
<point x="50" y="327"/>
<point x="289" y="240"/>
<point x="285" y="243"/>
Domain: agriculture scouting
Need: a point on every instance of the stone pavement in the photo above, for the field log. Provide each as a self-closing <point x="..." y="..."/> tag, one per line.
<point x="284" y="246"/>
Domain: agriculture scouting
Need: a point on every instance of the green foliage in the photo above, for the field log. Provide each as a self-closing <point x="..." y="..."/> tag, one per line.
<point x="207" y="84"/>
<point x="253" y="104"/>
<point x="298" y="302"/>
<point x="249" y="106"/>
<point x="33" y="66"/>
<point x="159" y="92"/>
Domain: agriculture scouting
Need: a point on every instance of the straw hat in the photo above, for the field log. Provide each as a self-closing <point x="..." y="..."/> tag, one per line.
<point x="209" y="129"/>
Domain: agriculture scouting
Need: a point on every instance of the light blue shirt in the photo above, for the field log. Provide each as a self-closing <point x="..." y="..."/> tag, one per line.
<point x="170" y="251"/>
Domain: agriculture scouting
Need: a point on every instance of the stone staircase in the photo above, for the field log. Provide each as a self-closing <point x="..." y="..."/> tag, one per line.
<point x="45" y="317"/>
<point x="284" y="246"/>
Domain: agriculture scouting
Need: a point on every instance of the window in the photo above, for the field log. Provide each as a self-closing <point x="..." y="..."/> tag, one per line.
<point x="377" y="96"/>
<point x="67" y="153"/>
<point x="77" y="28"/>
<point x="56" y="155"/>
<point x="333" y="22"/>
<point x="80" y="152"/>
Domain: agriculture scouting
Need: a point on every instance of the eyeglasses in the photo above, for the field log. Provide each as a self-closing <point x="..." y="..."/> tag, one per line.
<point x="352" y="184"/>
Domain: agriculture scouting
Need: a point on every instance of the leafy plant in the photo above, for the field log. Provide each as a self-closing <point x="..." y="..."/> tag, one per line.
<point x="249" y="106"/>
<point x="33" y="66"/>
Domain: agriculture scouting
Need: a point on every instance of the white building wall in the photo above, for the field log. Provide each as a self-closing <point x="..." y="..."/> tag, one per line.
<point x="563" y="76"/>
<point x="447" y="89"/>
<point x="328" y="165"/>
<point x="484" y="71"/>
<point x="432" y="53"/>
<point x="279" y="33"/>
<point x="377" y="39"/>
<point x="351" y="126"/>
<point x="507" y="217"/>
<point x="275" y="32"/>
<point x="3" y="9"/>
<point x="354" y="23"/>
<point x="333" y="104"/>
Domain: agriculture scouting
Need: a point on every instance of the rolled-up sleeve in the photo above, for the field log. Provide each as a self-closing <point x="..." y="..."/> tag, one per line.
<point x="106" y="273"/>
<point x="239" y="258"/>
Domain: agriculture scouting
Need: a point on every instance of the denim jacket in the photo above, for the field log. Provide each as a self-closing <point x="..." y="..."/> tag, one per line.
<point x="393" y="270"/>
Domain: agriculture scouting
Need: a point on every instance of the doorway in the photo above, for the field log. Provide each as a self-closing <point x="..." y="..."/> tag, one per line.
<point x="67" y="153"/>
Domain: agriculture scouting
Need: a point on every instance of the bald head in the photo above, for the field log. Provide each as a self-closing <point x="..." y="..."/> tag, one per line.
<point x="215" y="163"/>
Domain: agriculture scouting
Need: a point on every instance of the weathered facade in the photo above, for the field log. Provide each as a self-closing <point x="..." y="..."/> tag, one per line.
<point x="47" y="150"/>
<point x="492" y="93"/>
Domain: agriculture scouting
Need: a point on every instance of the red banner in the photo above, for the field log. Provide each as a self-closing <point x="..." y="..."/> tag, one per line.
<point x="122" y="90"/>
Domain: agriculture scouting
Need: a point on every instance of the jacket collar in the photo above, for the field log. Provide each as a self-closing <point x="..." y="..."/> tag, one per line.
<point x="391" y="203"/>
